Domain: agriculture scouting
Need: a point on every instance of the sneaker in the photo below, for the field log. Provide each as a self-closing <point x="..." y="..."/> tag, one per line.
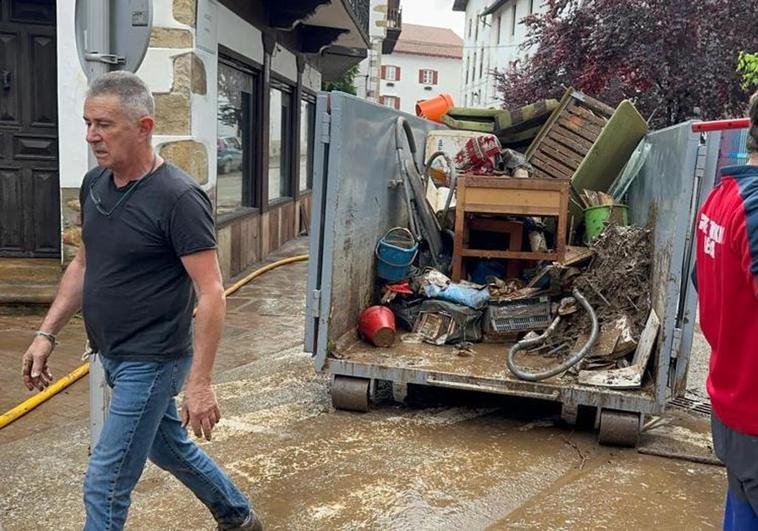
<point x="251" y="523"/>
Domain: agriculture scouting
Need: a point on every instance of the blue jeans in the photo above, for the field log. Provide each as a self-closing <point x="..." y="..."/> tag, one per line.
<point x="142" y="423"/>
<point x="739" y="514"/>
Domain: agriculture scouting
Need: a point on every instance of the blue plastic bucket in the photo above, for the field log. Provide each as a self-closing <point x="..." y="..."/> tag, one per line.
<point x="395" y="253"/>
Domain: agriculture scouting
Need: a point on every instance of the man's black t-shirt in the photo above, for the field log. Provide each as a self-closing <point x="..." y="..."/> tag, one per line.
<point x="138" y="298"/>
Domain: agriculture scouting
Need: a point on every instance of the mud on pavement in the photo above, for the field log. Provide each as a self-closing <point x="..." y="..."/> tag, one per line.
<point x="451" y="462"/>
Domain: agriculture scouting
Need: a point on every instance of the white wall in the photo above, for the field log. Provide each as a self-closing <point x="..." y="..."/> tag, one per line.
<point x="72" y="86"/>
<point x="410" y="90"/>
<point x="496" y="44"/>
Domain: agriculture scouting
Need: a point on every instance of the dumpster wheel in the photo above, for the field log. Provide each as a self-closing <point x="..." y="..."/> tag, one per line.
<point x="619" y="428"/>
<point x="350" y="393"/>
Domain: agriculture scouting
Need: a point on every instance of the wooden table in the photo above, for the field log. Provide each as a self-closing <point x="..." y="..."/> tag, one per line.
<point x="477" y="194"/>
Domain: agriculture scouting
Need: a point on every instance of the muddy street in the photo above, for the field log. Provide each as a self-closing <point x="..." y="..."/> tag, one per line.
<point x="452" y="461"/>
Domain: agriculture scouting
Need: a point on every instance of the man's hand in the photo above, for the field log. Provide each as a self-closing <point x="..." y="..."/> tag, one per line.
<point x="200" y="409"/>
<point x="35" y="370"/>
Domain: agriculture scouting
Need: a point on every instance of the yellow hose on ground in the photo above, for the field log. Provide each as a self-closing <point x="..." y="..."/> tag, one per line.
<point x="27" y="405"/>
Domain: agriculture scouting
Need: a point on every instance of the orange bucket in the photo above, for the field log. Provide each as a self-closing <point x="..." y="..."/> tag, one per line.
<point x="434" y="108"/>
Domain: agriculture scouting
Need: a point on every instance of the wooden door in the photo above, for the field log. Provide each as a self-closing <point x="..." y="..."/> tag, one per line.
<point x="29" y="189"/>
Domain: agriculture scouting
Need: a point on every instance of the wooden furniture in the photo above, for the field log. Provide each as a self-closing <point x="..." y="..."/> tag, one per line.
<point x="568" y="136"/>
<point x="478" y="194"/>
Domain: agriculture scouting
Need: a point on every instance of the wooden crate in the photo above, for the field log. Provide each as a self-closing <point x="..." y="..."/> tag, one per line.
<point x="568" y="136"/>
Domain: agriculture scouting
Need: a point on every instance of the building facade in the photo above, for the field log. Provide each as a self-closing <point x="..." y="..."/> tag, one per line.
<point x="385" y="26"/>
<point x="493" y="36"/>
<point x="235" y="86"/>
<point x="426" y="61"/>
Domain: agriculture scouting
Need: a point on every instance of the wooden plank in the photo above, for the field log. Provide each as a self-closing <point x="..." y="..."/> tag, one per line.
<point x="506" y="198"/>
<point x="287" y="222"/>
<point x="584" y="130"/>
<point x="250" y="231"/>
<point x="518" y="255"/>
<point x="595" y="105"/>
<point x="460" y="214"/>
<point x="553" y="165"/>
<point x="273" y="229"/>
<point x="539" y="173"/>
<point x="565" y="136"/>
<point x="545" y="169"/>
<point x="516" y="210"/>
<point x="508" y="183"/>
<point x="600" y="121"/>
<point x="570" y="154"/>
<point x="570" y="160"/>
<point x="647" y="341"/>
<point x="581" y="126"/>
<point x="562" y="230"/>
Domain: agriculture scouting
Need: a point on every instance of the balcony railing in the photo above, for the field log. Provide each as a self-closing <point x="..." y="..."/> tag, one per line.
<point x="394" y="19"/>
<point x="361" y="11"/>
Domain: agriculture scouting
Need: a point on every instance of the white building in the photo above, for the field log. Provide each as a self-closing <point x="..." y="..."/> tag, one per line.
<point x="426" y="61"/>
<point x="235" y="86"/>
<point x="493" y="35"/>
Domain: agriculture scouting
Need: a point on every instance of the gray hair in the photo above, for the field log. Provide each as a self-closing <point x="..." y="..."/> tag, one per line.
<point x="136" y="98"/>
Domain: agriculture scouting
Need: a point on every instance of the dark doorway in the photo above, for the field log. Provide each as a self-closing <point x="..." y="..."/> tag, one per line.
<point x="29" y="189"/>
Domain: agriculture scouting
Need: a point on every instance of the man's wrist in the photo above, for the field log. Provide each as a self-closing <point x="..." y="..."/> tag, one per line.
<point x="51" y="338"/>
<point x="199" y="380"/>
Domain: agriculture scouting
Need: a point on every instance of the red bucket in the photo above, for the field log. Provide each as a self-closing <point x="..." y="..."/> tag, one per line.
<point x="377" y="324"/>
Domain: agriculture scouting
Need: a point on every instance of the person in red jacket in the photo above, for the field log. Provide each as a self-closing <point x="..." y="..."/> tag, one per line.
<point x="727" y="283"/>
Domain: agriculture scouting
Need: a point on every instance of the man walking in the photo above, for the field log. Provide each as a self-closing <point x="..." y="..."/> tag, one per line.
<point x="727" y="280"/>
<point x="148" y="239"/>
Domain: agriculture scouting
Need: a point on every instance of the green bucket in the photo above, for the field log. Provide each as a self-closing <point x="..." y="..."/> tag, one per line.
<point x="596" y="218"/>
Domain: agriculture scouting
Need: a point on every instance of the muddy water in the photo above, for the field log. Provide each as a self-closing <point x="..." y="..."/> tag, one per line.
<point x="449" y="463"/>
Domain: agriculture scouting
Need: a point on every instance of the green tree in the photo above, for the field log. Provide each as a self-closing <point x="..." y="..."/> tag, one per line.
<point x="344" y="84"/>
<point x="747" y="66"/>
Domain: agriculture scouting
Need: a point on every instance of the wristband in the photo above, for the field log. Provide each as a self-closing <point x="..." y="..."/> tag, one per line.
<point x="47" y="335"/>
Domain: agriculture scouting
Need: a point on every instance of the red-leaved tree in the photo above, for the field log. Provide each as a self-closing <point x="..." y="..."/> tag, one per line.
<point x="668" y="56"/>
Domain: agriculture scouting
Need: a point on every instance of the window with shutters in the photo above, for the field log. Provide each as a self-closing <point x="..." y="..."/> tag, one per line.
<point x="427" y="76"/>
<point x="513" y="20"/>
<point x="390" y="73"/>
<point x="393" y="102"/>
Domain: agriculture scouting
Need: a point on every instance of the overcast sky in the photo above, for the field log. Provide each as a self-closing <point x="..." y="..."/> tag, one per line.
<point x="433" y="13"/>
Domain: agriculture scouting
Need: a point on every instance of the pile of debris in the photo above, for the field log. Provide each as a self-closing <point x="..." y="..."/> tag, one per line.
<point x="499" y="265"/>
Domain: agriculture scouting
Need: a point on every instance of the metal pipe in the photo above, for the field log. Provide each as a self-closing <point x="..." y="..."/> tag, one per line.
<point x="721" y="125"/>
<point x="570" y="362"/>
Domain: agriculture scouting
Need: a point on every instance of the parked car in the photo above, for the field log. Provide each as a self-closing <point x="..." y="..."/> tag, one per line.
<point x="229" y="154"/>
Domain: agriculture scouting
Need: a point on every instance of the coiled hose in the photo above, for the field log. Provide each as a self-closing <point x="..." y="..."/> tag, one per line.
<point x="570" y="362"/>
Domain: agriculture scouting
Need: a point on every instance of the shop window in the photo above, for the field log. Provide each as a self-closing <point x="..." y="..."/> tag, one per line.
<point x="234" y="144"/>
<point x="307" y="135"/>
<point x="280" y="142"/>
<point x="427" y="76"/>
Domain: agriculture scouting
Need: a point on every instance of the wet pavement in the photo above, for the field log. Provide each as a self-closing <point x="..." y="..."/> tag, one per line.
<point x="456" y="461"/>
